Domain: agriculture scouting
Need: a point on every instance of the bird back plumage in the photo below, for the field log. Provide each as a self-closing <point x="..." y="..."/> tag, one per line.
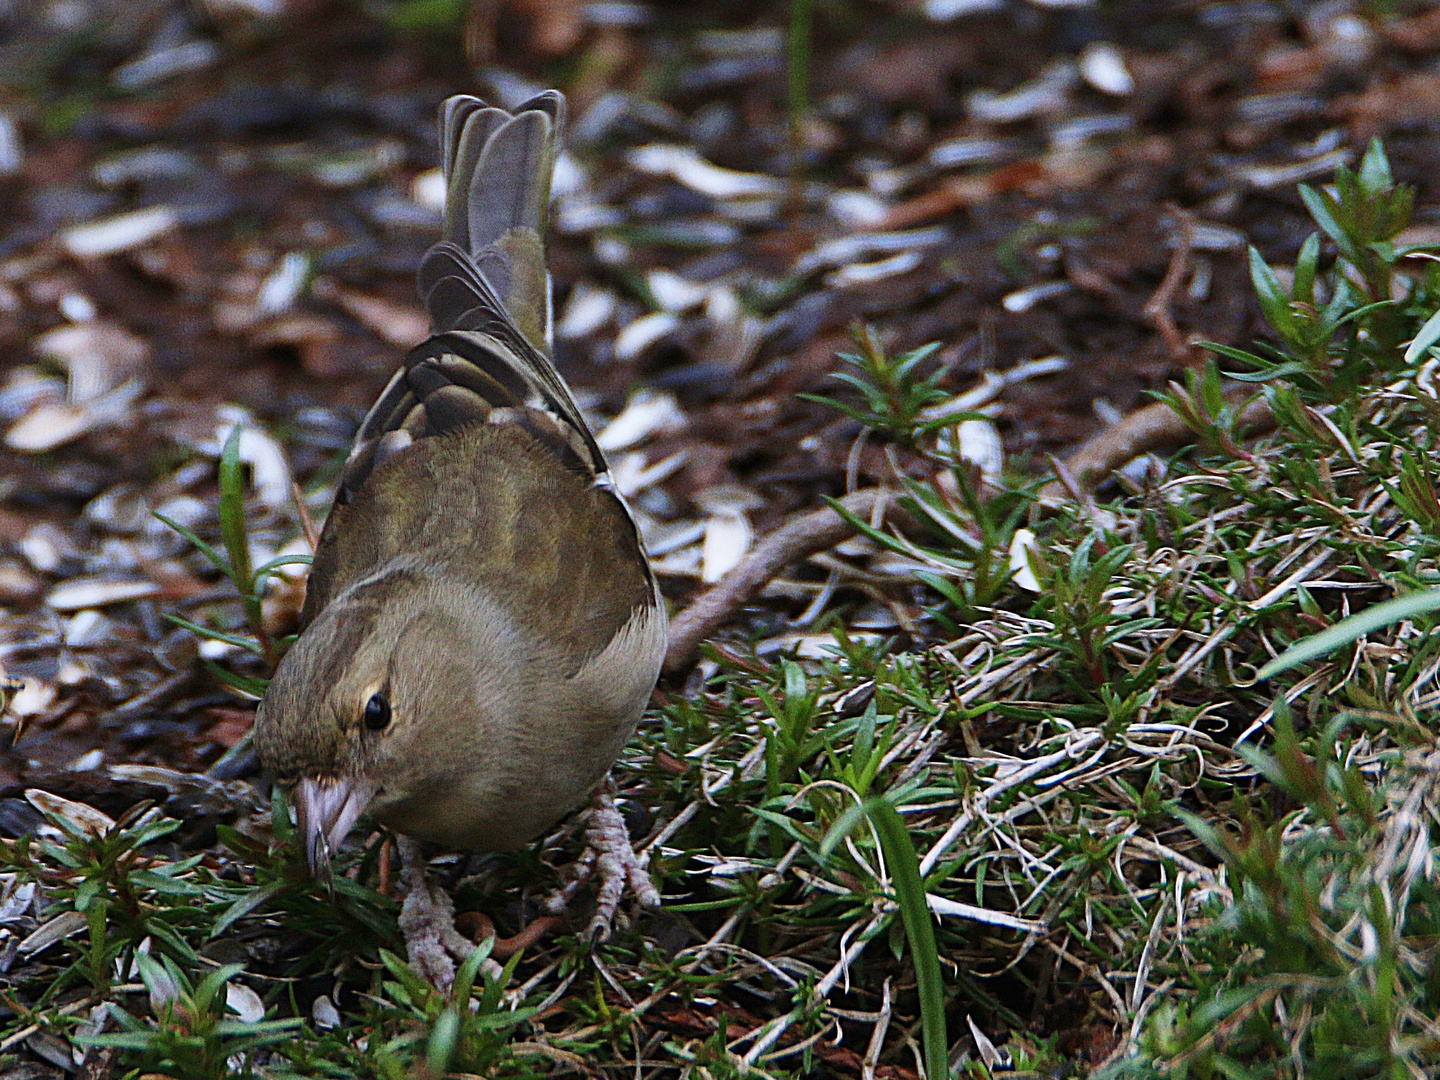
<point x="487" y="291"/>
<point x="486" y="362"/>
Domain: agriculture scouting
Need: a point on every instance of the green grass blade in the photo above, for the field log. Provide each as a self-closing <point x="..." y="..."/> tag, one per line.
<point x="904" y="867"/>
<point x="1386" y="613"/>
<point x="244" y="906"/>
<point x="221" y="563"/>
<point x="238" y="640"/>
<point x="1429" y="334"/>
<point x="269" y="569"/>
<point x="1272" y="296"/>
<point x="443" y="1038"/>
<point x="232" y="512"/>
<point x="244" y="684"/>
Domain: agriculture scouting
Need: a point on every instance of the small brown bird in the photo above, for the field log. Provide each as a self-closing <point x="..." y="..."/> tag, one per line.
<point x="481" y="630"/>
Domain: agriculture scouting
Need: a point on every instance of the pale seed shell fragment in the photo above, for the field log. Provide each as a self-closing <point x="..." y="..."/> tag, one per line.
<point x="1103" y="67"/>
<point x="642" y="333"/>
<point x="12" y="153"/>
<point x="673" y="292"/>
<point x="25" y="388"/>
<point x="683" y="562"/>
<point x="88" y="761"/>
<point x="978" y="441"/>
<point x="1209" y="236"/>
<point x="99" y="355"/>
<point x="992" y="383"/>
<point x="123" y="232"/>
<point x="722" y="306"/>
<point x="1283" y="176"/>
<point x="57" y="929"/>
<point x="857" y="209"/>
<point x="79" y="593"/>
<point x="728" y="537"/>
<point x="1021" y="545"/>
<point x="850" y="249"/>
<point x="47" y="426"/>
<point x="428" y="189"/>
<point x="244" y="1003"/>
<point x="212" y="649"/>
<point x="164" y="991"/>
<point x="35" y="696"/>
<point x="945" y="10"/>
<point x="77" y="307"/>
<point x="165" y="64"/>
<point x="648" y="413"/>
<point x="1047" y="93"/>
<point x="685" y="165"/>
<point x="1022" y="300"/>
<point x="82" y="817"/>
<point x="568" y="176"/>
<point x="87" y="628"/>
<point x="661" y="538"/>
<point x="18" y="902"/>
<point x="972" y="150"/>
<point x="864" y="273"/>
<point x="633" y="475"/>
<point x="586" y="311"/>
<point x="284" y="284"/>
<point x="324" y="1013"/>
<point x="51" y="424"/>
<point x="728" y="499"/>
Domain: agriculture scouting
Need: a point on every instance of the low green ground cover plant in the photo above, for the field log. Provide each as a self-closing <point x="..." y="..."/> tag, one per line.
<point x="1070" y="830"/>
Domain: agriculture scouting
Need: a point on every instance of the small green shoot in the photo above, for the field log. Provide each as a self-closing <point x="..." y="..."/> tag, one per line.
<point x="193" y="1035"/>
<point x="234" y="564"/>
<point x="893" y="395"/>
<point x="1342" y="326"/>
<point x="436" y="17"/>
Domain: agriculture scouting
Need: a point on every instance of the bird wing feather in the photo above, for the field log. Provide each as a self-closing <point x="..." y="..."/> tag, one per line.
<point x="478" y="414"/>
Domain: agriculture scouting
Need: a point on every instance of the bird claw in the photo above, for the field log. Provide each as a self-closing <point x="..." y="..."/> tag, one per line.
<point x="427" y="920"/>
<point x="427" y="916"/>
<point x="611" y="860"/>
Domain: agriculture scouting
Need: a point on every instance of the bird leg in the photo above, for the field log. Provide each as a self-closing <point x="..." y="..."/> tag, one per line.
<point x="427" y="919"/>
<point x="608" y="857"/>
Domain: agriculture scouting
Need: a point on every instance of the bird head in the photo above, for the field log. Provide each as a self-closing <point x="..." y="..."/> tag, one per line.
<point x="356" y="715"/>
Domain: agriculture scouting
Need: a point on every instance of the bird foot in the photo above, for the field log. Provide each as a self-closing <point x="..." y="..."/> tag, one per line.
<point x="427" y="920"/>
<point x="609" y="858"/>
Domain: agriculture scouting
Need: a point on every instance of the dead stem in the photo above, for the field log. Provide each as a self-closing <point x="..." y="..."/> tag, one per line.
<point x="803" y="535"/>
<point x="1154" y="427"/>
<point x="1157" y="308"/>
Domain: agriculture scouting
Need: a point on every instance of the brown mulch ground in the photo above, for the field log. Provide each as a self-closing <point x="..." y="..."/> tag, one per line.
<point x="1044" y="199"/>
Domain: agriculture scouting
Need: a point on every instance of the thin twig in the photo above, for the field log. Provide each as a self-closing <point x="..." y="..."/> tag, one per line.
<point x="1153" y="427"/>
<point x="802" y="536"/>
<point x="1157" y="308"/>
<point x="877" y="1035"/>
<point x="302" y="511"/>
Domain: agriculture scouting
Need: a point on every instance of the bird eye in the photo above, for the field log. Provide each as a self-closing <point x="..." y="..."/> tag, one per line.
<point x="377" y="713"/>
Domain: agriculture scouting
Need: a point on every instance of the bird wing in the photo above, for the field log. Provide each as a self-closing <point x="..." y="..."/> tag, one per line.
<point x="485" y="363"/>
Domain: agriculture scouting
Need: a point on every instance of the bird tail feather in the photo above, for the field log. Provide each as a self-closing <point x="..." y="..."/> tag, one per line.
<point x="498" y="166"/>
<point x="487" y="359"/>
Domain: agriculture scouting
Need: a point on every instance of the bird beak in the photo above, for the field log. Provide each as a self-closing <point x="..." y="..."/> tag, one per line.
<point x="327" y="808"/>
